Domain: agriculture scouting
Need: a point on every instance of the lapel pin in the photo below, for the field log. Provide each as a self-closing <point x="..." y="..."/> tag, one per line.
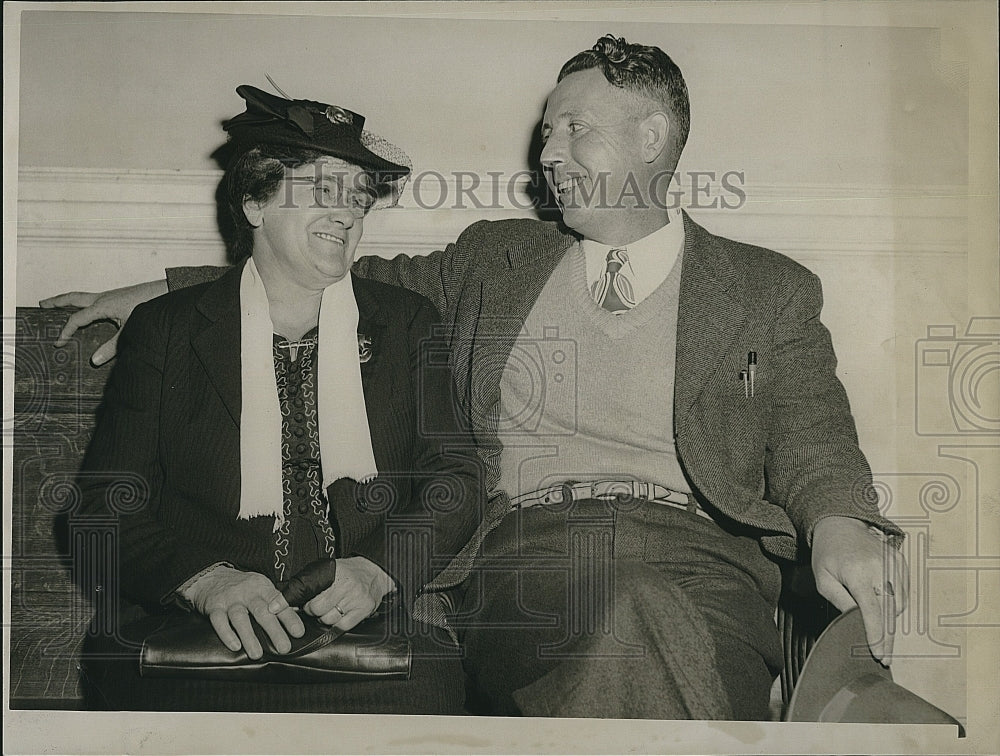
<point x="364" y="348"/>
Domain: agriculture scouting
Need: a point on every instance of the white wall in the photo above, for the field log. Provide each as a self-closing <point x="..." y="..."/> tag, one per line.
<point x="149" y="90"/>
<point x="853" y="140"/>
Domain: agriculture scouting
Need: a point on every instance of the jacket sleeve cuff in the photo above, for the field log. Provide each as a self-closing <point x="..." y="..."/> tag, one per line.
<point x="181" y="595"/>
<point x="179" y="574"/>
<point x="879" y="526"/>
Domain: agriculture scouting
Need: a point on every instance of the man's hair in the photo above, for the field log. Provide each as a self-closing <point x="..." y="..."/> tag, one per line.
<point x="641" y="69"/>
<point x="254" y="175"/>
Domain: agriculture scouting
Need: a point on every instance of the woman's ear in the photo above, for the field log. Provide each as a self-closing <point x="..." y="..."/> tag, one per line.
<point x="254" y="212"/>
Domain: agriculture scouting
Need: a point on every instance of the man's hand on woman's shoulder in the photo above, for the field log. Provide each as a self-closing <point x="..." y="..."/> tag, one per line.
<point x="115" y="305"/>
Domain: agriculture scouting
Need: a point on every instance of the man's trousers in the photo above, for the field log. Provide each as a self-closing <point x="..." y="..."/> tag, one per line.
<point x="628" y="610"/>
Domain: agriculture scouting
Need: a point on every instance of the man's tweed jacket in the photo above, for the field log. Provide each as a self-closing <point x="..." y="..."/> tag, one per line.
<point x="778" y="461"/>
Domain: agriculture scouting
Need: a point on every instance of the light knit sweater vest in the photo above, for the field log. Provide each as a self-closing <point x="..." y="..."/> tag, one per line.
<point x="588" y="395"/>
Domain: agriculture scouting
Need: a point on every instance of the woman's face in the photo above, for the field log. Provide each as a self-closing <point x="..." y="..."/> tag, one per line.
<point x="309" y="230"/>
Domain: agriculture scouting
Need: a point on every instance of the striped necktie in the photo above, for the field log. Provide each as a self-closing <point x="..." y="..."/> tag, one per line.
<point x="613" y="290"/>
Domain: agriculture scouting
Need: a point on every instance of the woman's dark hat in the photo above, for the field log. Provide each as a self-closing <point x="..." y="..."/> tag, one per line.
<point x="307" y="124"/>
<point x="842" y="682"/>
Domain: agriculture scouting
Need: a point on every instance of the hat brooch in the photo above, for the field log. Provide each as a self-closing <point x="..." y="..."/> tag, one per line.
<point x="338" y="115"/>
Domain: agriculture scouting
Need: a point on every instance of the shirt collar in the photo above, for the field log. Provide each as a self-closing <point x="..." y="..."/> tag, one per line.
<point x="650" y="258"/>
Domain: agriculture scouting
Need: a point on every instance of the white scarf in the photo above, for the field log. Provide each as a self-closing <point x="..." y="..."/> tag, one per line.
<point x="345" y="440"/>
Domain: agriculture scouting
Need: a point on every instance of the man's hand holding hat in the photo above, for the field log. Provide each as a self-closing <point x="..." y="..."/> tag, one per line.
<point x="856" y="566"/>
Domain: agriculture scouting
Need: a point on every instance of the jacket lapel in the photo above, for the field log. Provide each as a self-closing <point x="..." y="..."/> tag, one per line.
<point x="709" y="318"/>
<point x="216" y="340"/>
<point x="376" y="376"/>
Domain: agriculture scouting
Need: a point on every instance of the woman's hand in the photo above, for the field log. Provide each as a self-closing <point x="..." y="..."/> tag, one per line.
<point x="115" y="305"/>
<point x="228" y="597"/>
<point x="356" y="592"/>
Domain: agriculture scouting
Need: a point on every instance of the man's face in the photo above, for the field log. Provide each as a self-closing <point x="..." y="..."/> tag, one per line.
<point x="592" y="147"/>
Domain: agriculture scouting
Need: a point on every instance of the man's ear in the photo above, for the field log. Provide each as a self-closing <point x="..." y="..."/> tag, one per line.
<point x="254" y="212"/>
<point x="655" y="132"/>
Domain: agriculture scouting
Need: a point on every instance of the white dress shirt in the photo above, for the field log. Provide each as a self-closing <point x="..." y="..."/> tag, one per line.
<point x="649" y="258"/>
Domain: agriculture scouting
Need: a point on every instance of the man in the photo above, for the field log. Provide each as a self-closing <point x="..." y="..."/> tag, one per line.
<point x="659" y="421"/>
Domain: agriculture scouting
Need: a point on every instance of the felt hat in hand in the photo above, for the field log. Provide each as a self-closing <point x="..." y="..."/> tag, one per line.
<point x="842" y="682"/>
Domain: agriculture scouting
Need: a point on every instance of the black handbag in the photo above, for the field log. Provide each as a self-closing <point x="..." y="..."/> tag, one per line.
<point x="187" y="646"/>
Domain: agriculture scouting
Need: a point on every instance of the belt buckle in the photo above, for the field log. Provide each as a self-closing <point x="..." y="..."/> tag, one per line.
<point x="609" y="493"/>
<point x="624" y="494"/>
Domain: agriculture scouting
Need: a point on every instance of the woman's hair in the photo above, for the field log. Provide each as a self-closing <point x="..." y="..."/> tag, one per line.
<point x="254" y="175"/>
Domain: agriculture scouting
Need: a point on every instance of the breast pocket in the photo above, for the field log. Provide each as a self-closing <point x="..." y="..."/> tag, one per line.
<point x="735" y="409"/>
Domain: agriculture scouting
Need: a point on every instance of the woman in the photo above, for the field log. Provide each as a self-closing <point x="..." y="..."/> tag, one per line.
<point x="279" y="416"/>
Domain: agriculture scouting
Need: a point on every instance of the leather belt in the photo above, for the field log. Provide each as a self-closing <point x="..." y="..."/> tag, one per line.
<point x="609" y="490"/>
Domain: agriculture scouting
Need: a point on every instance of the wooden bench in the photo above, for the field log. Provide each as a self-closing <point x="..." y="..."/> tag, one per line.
<point x="56" y="396"/>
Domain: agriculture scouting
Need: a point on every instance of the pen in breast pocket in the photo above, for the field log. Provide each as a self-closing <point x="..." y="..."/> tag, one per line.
<point x="752" y="369"/>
